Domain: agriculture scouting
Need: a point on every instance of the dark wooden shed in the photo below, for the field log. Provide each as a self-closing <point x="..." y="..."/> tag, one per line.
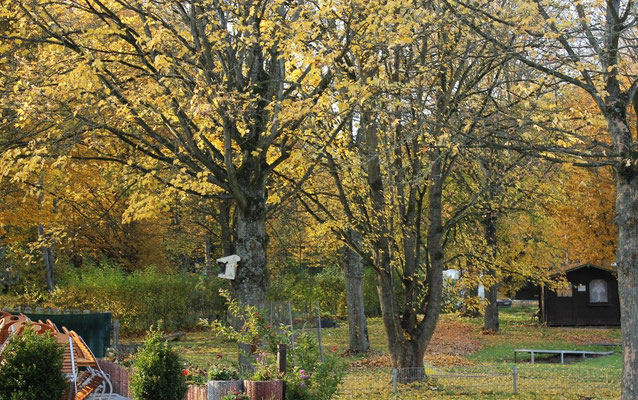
<point x="591" y="298"/>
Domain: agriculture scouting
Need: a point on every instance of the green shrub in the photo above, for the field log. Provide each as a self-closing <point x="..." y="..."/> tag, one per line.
<point x="32" y="368"/>
<point x="142" y="298"/>
<point x="305" y="286"/>
<point x="312" y="379"/>
<point x="371" y="304"/>
<point x="157" y="371"/>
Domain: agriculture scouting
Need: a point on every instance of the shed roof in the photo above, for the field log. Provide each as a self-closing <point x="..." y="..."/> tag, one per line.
<point x="564" y="269"/>
<point x="575" y="267"/>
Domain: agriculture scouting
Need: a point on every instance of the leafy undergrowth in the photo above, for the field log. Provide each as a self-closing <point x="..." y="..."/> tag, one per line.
<point x="464" y="363"/>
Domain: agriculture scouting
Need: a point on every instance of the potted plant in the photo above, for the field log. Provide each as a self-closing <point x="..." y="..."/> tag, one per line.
<point x="223" y="381"/>
<point x="265" y="383"/>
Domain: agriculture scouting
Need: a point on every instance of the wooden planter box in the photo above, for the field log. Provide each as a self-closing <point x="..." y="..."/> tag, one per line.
<point x="264" y="390"/>
<point x="219" y="389"/>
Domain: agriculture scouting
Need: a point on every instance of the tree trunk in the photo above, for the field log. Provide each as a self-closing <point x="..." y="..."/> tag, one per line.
<point x="226" y="227"/>
<point x="490" y="320"/>
<point x="627" y="262"/>
<point x="406" y="346"/>
<point x="627" y="222"/>
<point x="353" y="273"/>
<point x="251" y="280"/>
<point x="435" y="252"/>
<point x="208" y="250"/>
<point x="407" y="342"/>
<point x="411" y="353"/>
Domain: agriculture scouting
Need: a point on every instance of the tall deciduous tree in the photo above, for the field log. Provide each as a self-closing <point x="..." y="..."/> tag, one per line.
<point x="421" y="88"/>
<point x="207" y="96"/>
<point x="587" y="44"/>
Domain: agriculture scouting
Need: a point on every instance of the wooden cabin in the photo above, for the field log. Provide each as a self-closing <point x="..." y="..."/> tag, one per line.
<point x="590" y="299"/>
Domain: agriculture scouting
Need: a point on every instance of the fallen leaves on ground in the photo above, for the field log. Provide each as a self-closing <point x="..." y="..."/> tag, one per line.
<point x="451" y="342"/>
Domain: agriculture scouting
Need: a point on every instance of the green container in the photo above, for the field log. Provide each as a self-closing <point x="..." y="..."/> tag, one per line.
<point x="95" y="328"/>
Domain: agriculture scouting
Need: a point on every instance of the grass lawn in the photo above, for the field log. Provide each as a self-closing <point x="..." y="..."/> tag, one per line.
<point x="459" y="350"/>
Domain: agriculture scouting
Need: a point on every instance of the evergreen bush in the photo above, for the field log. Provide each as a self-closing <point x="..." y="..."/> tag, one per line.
<point x="158" y="373"/>
<point x="32" y="368"/>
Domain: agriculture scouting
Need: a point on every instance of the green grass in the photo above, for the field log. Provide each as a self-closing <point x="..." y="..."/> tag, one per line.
<point x="493" y="357"/>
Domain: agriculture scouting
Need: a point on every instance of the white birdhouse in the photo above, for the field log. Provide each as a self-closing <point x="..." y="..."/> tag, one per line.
<point x="228" y="266"/>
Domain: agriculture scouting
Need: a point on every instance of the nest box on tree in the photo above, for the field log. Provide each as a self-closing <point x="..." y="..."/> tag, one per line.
<point x="228" y="266"/>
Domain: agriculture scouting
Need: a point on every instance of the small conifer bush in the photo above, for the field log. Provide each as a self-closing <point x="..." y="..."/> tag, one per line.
<point x="32" y="368"/>
<point x="157" y="371"/>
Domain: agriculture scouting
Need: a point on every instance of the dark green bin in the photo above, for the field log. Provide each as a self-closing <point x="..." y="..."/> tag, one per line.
<point x="95" y="328"/>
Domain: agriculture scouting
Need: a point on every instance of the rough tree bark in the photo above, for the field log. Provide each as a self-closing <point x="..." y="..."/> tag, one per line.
<point x="226" y="226"/>
<point x="490" y="320"/>
<point x="251" y="280"/>
<point x="627" y="256"/>
<point x="627" y="261"/>
<point x="408" y="338"/>
<point x="353" y="274"/>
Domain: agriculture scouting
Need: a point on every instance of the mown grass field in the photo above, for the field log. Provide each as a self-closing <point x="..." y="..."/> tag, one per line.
<point x="467" y="364"/>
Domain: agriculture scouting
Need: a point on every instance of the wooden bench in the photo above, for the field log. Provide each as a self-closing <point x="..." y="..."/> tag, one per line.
<point x="88" y="381"/>
<point x="582" y="353"/>
<point x="5" y="325"/>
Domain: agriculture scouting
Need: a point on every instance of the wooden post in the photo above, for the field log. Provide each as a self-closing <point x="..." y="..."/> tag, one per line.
<point x="281" y="358"/>
<point x="116" y="334"/>
<point x="515" y="377"/>
<point x="395" y="375"/>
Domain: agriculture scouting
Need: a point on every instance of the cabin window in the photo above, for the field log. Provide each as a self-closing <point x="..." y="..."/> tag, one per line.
<point x="598" y="291"/>
<point x="565" y="291"/>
